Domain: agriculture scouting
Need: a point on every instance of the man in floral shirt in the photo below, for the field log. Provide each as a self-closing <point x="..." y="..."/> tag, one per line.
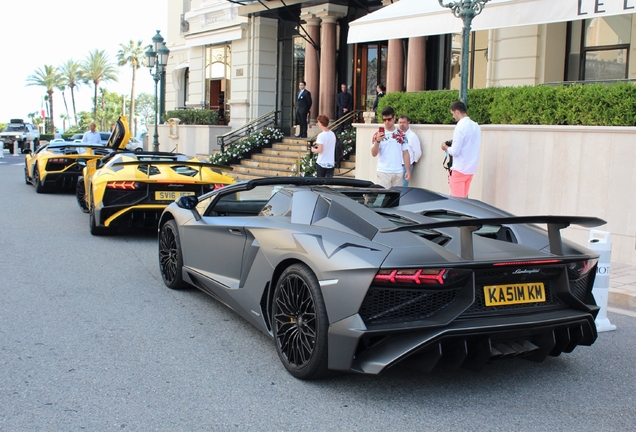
<point x="391" y="147"/>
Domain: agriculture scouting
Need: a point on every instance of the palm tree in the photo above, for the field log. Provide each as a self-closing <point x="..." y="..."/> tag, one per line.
<point x="132" y="54"/>
<point x="50" y="78"/>
<point x="96" y="68"/>
<point x="72" y="78"/>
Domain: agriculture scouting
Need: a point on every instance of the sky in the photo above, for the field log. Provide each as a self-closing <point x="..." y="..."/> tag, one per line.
<point x="50" y="32"/>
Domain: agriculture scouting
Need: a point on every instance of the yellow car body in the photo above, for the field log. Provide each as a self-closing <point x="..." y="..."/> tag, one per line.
<point x="58" y="165"/>
<point x="132" y="188"/>
<point x="55" y="165"/>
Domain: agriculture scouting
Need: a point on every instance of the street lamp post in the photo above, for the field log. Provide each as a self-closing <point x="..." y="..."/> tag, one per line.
<point x="157" y="55"/>
<point x="466" y="10"/>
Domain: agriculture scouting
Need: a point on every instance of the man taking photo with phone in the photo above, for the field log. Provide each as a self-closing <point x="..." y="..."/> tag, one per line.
<point x="391" y="147"/>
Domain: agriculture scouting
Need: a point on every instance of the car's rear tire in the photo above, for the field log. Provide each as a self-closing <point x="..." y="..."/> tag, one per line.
<point x="300" y="323"/>
<point x="92" y="222"/>
<point x="139" y="150"/>
<point x="26" y="175"/>
<point x="80" y="195"/>
<point x="171" y="256"/>
<point x="37" y="183"/>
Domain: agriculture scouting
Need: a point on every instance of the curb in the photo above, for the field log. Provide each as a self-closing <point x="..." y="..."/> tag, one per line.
<point x="622" y="299"/>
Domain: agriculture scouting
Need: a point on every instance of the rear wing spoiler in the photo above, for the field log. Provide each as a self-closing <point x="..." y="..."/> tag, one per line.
<point x="468" y="225"/>
<point x="176" y="162"/>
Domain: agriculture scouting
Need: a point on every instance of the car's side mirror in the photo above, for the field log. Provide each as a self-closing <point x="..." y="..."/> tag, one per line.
<point x="188" y="202"/>
<point x="81" y="162"/>
<point x="26" y="151"/>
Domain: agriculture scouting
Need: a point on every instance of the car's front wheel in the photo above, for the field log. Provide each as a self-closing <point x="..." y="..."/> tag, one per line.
<point x="170" y="256"/>
<point x="80" y="195"/>
<point x="300" y="323"/>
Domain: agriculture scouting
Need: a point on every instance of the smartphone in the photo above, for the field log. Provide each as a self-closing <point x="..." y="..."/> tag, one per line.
<point x="381" y="129"/>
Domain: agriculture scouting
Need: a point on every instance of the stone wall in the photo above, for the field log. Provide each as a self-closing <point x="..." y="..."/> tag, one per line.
<point x="533" y="170"/>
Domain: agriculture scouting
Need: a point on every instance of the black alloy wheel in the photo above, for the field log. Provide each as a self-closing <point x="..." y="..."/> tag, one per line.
<point x="26" y="174"/>
<point x="300" y="323"/>
<point x="170" y="256"/>
<point x="80" y="195"/>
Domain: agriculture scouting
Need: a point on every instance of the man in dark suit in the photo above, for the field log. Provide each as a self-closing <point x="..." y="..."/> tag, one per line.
<point x="344" y="101"/>
<point x="303" y="105"/>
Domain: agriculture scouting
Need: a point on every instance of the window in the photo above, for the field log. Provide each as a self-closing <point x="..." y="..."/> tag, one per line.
<point x="218" y="62"/>
<point x="599" y="48"/>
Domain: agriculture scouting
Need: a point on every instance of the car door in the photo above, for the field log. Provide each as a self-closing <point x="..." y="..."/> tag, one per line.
<point x="214" y="246"/>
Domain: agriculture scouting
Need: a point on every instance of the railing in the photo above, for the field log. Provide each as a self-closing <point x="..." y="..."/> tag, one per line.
<point x="339" y="125"/>
<point x="268" y="120"/>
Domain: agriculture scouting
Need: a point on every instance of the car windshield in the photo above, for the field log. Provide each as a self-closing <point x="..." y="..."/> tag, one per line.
<point x="15" y="128"/>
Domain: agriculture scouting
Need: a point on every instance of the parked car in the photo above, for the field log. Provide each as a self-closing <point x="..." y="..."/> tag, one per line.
<point x="132" y="188"/>
<point x="104" y="137"/>
<point x="58" y="164"/>
<point x="346" y="276"/>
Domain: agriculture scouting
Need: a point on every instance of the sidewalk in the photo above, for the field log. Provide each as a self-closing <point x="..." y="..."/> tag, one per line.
<point x="622" y="289"/>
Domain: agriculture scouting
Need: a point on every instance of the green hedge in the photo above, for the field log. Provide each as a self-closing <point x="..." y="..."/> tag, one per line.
<point x="193" y="116"/>
<point x="579" y="104"/>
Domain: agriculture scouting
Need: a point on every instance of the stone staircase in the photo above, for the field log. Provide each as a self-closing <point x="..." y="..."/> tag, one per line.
<point x="279" y="161"/>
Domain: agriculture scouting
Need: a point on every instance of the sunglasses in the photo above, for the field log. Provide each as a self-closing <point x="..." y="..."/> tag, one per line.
<point x="387" y="118"/>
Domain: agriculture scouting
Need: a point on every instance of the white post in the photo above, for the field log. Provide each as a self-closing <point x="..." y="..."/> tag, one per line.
<point x="601" y="243"/>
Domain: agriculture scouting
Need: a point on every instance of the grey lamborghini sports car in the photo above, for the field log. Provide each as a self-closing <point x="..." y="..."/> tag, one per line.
<point x="347" y="276"/>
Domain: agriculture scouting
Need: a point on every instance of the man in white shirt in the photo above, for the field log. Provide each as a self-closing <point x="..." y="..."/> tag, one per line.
<point x="325" y="147"/>
<point x="464" y="149"/>
<point x="415" y="148"/>
<point x="92" y="136"/>
<point x="391" y="147"/>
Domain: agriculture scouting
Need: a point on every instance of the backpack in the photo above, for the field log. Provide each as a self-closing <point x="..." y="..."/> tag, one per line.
<point x="339" y="152"/>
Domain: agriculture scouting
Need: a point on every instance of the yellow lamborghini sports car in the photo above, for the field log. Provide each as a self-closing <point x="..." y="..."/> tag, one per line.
<point x="128" y="188"/>
<point x="55" y="165"/>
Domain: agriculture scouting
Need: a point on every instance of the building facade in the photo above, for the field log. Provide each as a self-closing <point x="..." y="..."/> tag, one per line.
<point x="245" y="58"/>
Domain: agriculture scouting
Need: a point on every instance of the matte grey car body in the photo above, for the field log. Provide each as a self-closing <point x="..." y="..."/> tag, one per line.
<point x="347" y="276"/>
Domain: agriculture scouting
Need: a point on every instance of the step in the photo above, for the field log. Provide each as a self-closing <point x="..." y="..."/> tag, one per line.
<point x="274" y="158"/>
<point x="273" y="165"/>
<point x="241" y="169"/>
<point x="287" y="153"/>
<point x="291" y="145"/>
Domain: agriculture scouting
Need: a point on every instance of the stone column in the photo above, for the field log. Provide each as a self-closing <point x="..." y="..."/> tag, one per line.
<point x="416" y="65"/>
<point x="328" y="85"/>
<point x="312" y="69"/>
<point x="395" y="67"/>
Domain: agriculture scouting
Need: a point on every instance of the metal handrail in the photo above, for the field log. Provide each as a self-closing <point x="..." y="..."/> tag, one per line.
<point x="339" y="125"/>
<point x="266" y="120"/>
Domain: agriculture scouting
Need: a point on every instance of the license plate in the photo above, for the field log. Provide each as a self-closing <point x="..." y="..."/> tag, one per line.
<point x="503" y="295"/>
<point x="170" y="195"/>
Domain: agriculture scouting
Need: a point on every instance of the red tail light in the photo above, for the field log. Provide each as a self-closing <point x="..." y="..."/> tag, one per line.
<point x="523" y="263"/>
<point x="58" y="160"/>
<point x="421" y="276"/>
<point x="122" y="185"/>
<point x="581" y="268"/>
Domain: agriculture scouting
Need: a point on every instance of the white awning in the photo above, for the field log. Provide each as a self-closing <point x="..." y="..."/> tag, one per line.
<point x="178" y="75"/>
<point x="413" y="18"/>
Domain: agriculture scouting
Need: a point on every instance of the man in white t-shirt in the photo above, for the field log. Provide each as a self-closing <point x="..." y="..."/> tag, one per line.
<point x="325" y="147"/>
<point x="464" y="150"/>
<point x="415" y="148"/>
<point x="391" y="147"/>
<point x="91" y="136"/>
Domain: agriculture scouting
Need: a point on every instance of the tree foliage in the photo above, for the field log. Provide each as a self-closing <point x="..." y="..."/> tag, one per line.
<point x="97" y="69"/>
<point x="133" y="55"/>
<point x="48" y="77"/>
